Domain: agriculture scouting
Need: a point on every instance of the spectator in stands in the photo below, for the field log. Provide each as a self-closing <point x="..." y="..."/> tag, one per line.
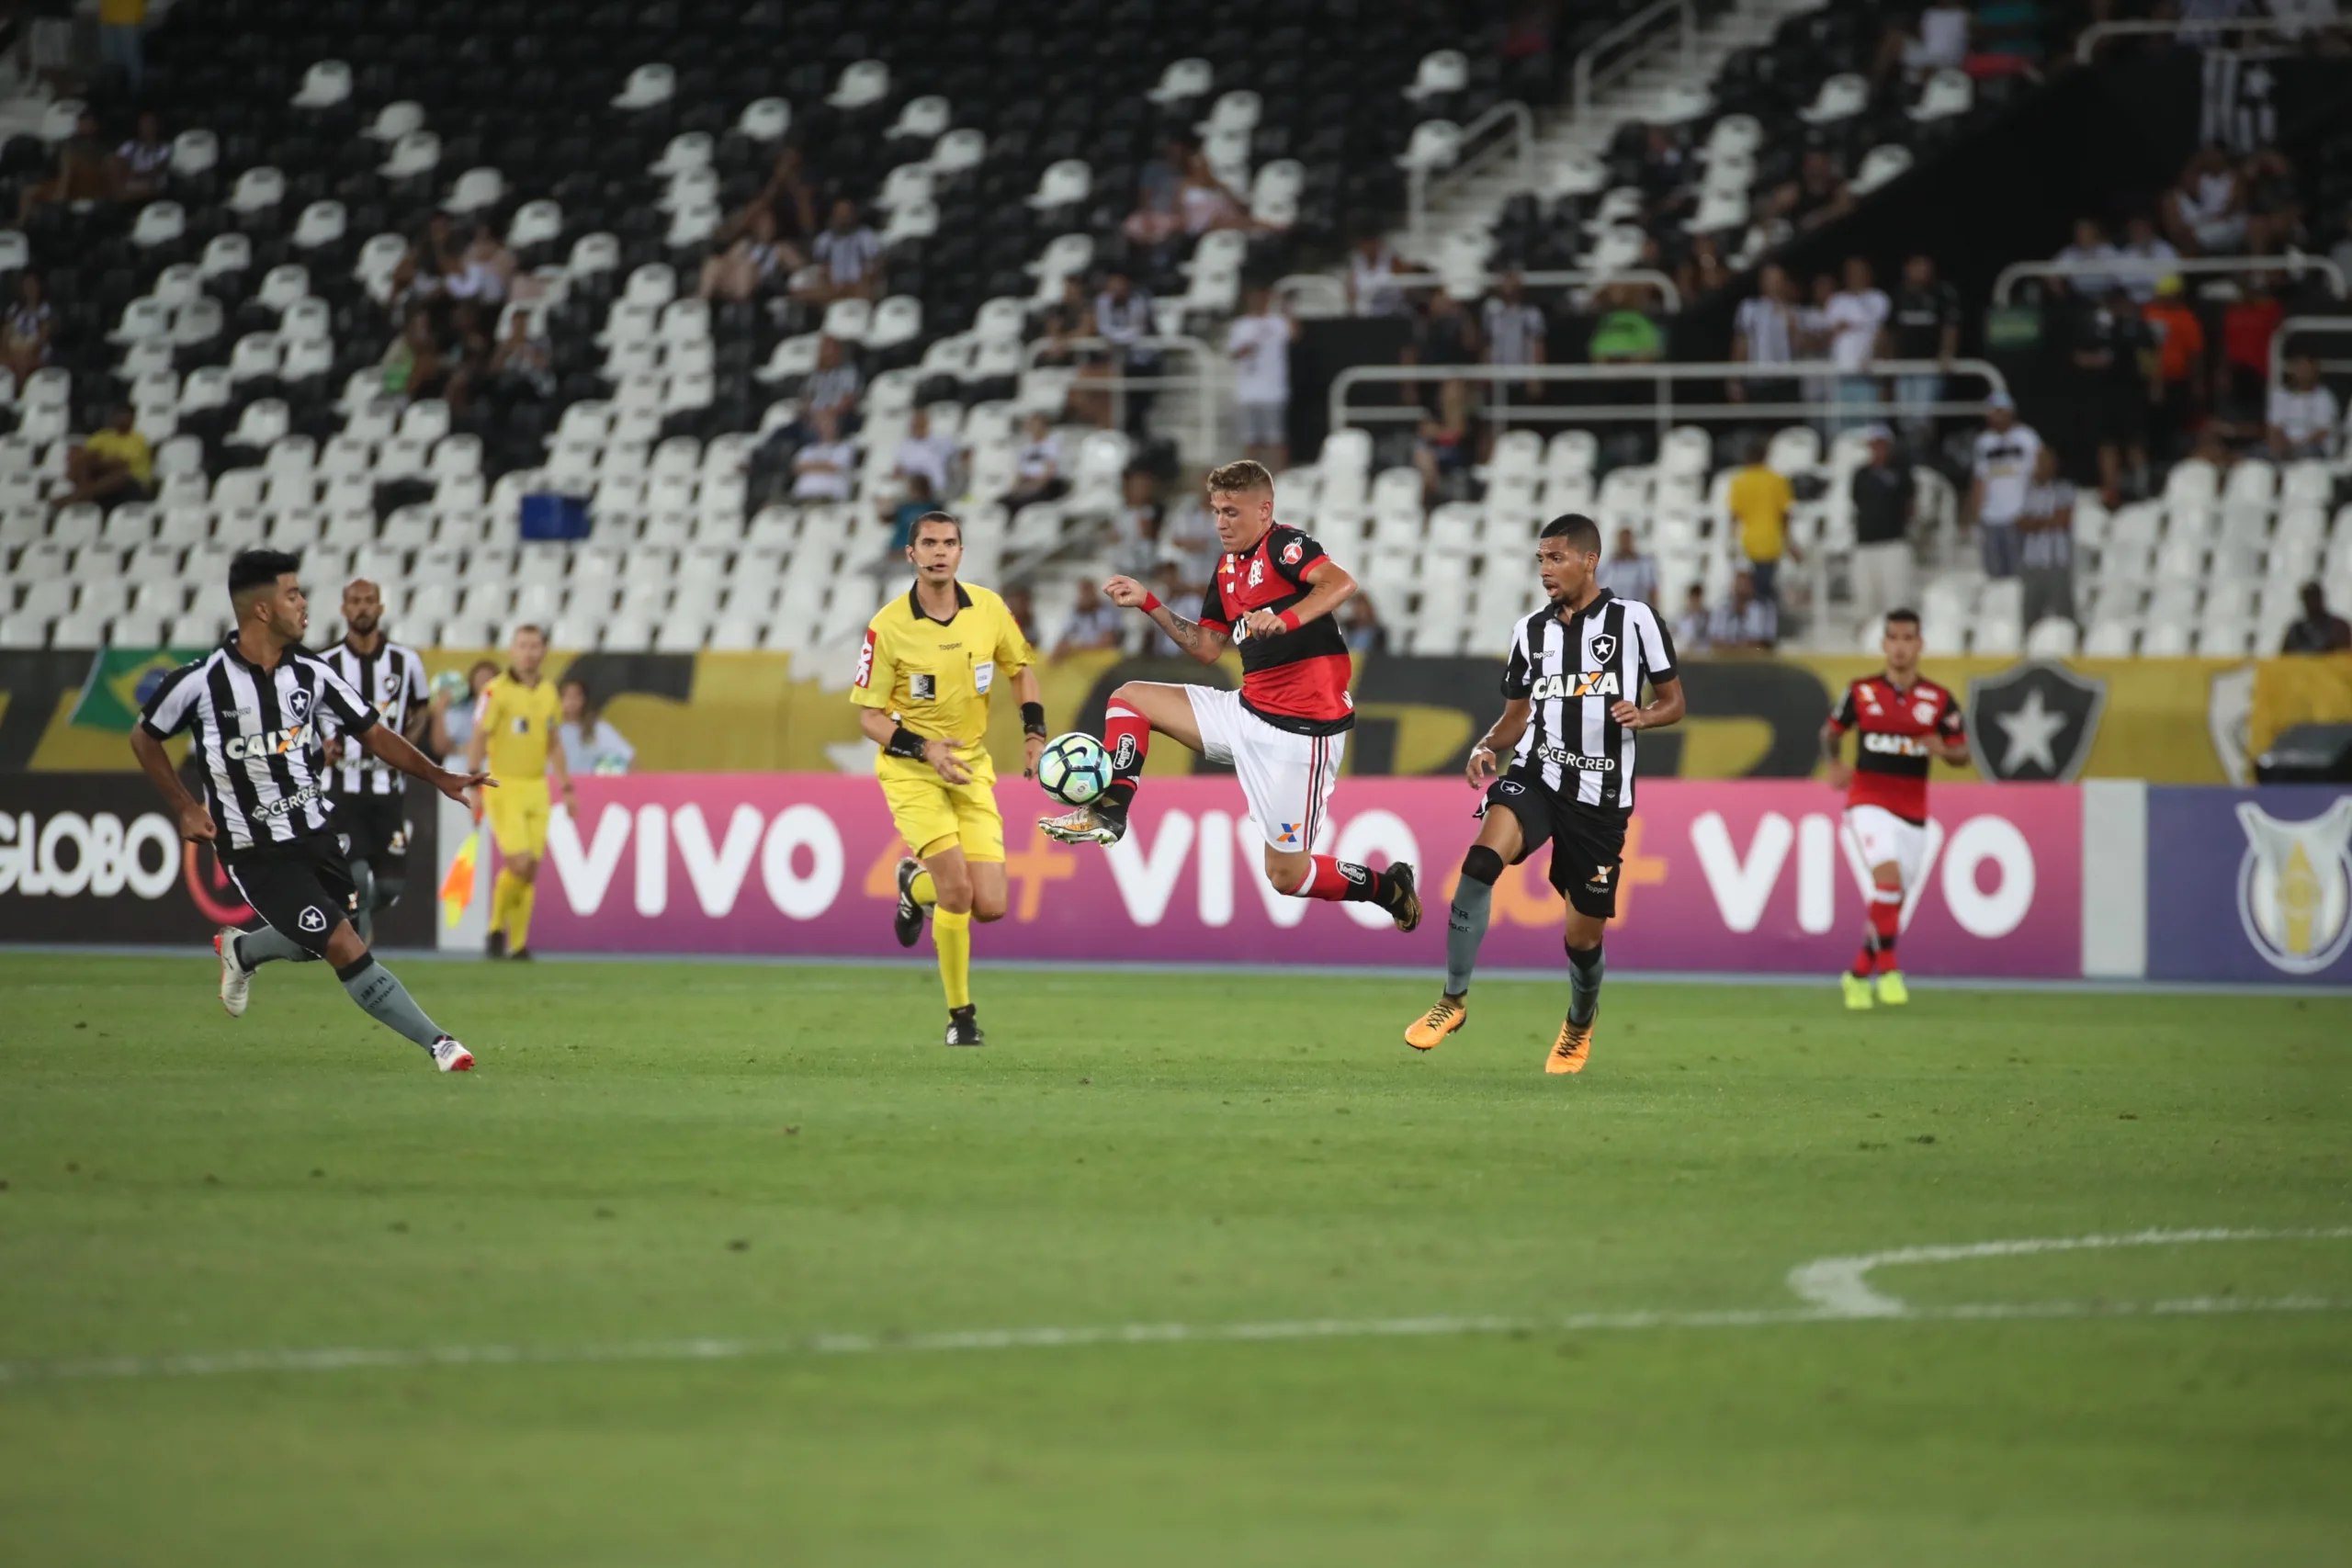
<point x="2006" y="455"/>
<point x="1664" y="178"/>
<point x="1704" y="270"/>
<point x="422" y="278"/>
<point x="472" y="353"/>
<point x="2242" y="379"/>
<point x="1136" y="551"/>
<point x="2177" y="390"/>
<point x="2046" y="543"/>
<point x="2142" y="242"/>
<point x="1924" y="324"/>
<point x="1758" y="501"/>
<point x="1122" y="318"/>
<point x="1443" y="333"/>
<point x="2319" y="631"/>
<point x="1624" y="334"/>
<point x="1259" y="344"/>
<point x="1813" y="335"/>
<point x="591" y="744"/>
<point x="1764" y="330"/>
<point x="1819" y="194"/>
<point x="141" y="163"/>
<point x="83" y="173"/>
<point x="933" y="458"/>
<point x="114" y="464"/>
<point x="1690" y="628"/>
<point x="1445" y="447"/>
<point x="1206" y="201"/>
<point x="485" y="269"/>
<point x="1093" y="627"/>
<point x="1884" y="499"/>
<point x="2274" y="202"/>
<point x="1190" y="541"/>
<point x="2301" y="418"/>
<point x="456" y="719"/>
<point x="1037" y="468"/>
<point x="2090" y="251"/>
<point x="122" y="40"/>
<point x="824" y="467"/>
<point x="1937" y="41"/>
<point x="1856" y="317"/>
<point x="1360" y="625"/>
<point x="792" y="201"/>
<point x="918" y="501"/>
<point x="1628" y="573"/>
<point x="2110" y="390"/>
<point x="1513" y="328"/>
<point x="832" y="388"/>
<point x="748" y="261"/>
<point x="848" y="258"/>
<point x="26" y="332"/>
<point x="1373" y="289"/>
<point x="414" y="366"/>
<point x="522" y="367"/>
<point x="1748" y="621"/>
<point x="1157" y="218"/>
<point x="2204" y="212"/>
<point x="1022" y="607"/>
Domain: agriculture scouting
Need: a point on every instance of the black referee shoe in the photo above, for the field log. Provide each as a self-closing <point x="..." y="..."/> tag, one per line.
<point x="496" y="946"/>
<point x="964" y="1027"/>
<point x="907" y="925"/>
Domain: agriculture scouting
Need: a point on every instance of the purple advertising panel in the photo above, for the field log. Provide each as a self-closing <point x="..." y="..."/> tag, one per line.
<point x="1744" y="875"/>
<point x="2250" y="884"/>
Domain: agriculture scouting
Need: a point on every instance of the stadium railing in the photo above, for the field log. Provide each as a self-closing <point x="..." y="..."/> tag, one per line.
<point x="2156" y="266"/>
<point x="1210" y="382"/>
<point x="1629" y="44"/>
<point x="2288" y="30"/>
<point x="1474" y="155"/>
<point x="1319" y="294"/>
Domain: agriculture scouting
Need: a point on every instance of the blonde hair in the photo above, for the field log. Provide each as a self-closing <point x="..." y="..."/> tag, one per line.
<point x="1241" y="477"/>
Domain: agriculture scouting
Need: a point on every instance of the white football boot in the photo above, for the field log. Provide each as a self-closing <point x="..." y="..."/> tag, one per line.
<point x="452" y="1057"/>
<point x="236" y="980"/>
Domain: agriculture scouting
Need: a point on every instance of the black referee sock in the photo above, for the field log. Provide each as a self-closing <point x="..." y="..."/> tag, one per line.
<point x="269" y="945"/>
<point x="1585" y="969"/>
<point x="378" y="991"/>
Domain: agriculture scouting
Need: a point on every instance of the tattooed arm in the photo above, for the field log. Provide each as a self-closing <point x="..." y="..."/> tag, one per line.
<point x="1203" y="643"/>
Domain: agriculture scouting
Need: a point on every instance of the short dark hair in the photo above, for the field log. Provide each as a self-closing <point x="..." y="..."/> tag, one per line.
<point x="1906" y="615"/>
<point x="1581" y="532"/>
<point x="250" y="570"/>
<point x="948" y="517"/>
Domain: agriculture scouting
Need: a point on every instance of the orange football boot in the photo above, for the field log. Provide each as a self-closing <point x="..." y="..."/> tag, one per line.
<point x="1449" y="1014"/>
<point x="1569" y="1049"/>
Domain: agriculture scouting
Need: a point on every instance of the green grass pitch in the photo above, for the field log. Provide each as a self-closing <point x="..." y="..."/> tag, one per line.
<point x="757" y="1156"/>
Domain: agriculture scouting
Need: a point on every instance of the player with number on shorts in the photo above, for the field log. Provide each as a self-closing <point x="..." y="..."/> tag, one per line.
<point x="1905" y="722"/>
<point x="1286" y="730"/>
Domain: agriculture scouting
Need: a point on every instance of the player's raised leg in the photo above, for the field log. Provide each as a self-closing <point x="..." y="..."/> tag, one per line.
<point x="1500" y="843"/>
<point x="1134" y="712"/>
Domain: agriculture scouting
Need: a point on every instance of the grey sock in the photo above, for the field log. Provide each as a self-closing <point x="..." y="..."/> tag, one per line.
<point x="363" y="909"/>
<point x="1585" y="970"/>
<point x="1465" y="930"/>
<point x="379" y="992"/>
<point x="268" y="946"/>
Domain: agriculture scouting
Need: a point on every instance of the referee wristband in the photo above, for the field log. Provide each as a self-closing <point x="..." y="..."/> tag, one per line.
<point x="1150" y="602"/>
<point x="905" y="742"/>
<point x="1033" y="719"/>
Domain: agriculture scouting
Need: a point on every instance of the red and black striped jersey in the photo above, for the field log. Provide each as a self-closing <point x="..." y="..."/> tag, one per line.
<point x="1297" y="680"/>
<point x="1894" y="725"/>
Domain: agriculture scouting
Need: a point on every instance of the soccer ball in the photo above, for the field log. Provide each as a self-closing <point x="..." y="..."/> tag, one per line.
<point x="1074" y="768"/>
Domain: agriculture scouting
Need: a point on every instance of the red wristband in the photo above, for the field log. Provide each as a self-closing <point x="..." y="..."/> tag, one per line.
<point x="1150" y="602"/>
<point x="1289" y="618"/>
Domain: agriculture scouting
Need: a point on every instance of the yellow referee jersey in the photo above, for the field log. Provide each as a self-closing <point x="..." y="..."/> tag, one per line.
<point x="520" y="723"/>
<point x="936" y="677"/>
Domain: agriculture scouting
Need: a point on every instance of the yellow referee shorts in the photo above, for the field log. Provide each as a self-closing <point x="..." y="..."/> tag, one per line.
<point x="517" y="814"/>
<point x="931" y="813"/>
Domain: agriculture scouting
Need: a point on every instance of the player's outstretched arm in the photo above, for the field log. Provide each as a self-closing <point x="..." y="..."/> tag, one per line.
<point x="382" y="743"/>
<point x="1664" y="707"/>
<point x="1500" y="740"/>
<point x="1202" y="642"/>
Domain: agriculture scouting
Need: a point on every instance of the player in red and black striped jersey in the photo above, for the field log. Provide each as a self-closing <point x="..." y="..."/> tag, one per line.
<point x="1286" y="730"/>
<point x="1903" y="722"/>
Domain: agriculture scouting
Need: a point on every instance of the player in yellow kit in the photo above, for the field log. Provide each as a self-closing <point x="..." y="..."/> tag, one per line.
<point x="514" y="726"/>
<point x="931" y="662"/>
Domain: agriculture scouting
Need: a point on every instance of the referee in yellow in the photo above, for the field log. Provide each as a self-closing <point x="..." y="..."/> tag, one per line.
<point x="931" y="662"/>
<point x="514" y="729"/>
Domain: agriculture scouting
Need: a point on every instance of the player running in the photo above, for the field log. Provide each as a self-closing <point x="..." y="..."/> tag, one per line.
<point x="514" y="729"/>
<point x="1906" y="721"/>
<point x="1286" y="730"/>
<point x="931" y="662"/>
<point x="1571" y="710"/>
<point x="370" y="798"/>
<point x="256" y="704"/>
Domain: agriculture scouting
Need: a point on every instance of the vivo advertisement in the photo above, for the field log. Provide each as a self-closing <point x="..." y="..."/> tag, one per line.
<point x="1750" y="875"/>
<point x="2250" y="884"/>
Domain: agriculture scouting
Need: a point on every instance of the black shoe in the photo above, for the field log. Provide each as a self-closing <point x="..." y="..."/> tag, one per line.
<point x="964" y="1027"/>
<point x="1404" y="897"/>
<point x="908" y="924"/>
<point x="496" y="946"/>
<point x="521" y="955"/>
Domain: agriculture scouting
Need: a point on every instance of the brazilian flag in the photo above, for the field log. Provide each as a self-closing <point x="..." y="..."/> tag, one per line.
<point x="121" y="680"/>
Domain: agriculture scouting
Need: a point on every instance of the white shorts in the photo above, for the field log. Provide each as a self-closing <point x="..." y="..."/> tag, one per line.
<point x="1287" y="778"/>
<point x="1881" y="835"/>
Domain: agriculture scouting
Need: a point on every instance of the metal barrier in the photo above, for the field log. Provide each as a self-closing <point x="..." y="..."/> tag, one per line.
<point x="2158" y="267"/>
<point x="2285" y="30"/>
<point x="1332" y="295"/>
<point x="1424" y="186"/>
<point x="1662" y="411"/>
<point x="1591" y="75"/>
<point x="1207" y="381"/>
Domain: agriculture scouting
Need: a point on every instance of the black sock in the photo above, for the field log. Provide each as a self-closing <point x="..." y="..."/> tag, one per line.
<point x="1117" y="797"/>
<point x="1366" y="885"/>
<point x="1585" y="969"/>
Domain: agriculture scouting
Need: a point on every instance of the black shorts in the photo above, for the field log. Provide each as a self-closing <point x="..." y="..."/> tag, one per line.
<point x="304" y="889"/>
<point x="374" y="827"/>
<point x="1588" y="841"/>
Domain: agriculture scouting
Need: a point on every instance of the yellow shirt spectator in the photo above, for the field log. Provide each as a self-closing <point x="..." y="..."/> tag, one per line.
<point x="128" y="447"/>
<point x="1759" y="502"/>
<point x="122" y="13"/>
<point x="520" y="723"/>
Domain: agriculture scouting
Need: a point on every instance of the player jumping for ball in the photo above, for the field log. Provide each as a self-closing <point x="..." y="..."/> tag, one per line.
<point x="1571" y="690"/>
<point x="1286" y="730"/>
<point x="1906" y="721"/>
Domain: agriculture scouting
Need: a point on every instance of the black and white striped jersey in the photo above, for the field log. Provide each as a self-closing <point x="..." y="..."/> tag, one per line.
<point x="1571" y="672"/>
<point x="391" y="681"/>
<point x="257" y="734"/>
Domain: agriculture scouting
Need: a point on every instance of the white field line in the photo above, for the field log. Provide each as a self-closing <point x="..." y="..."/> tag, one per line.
<point x="1824" y="1285"/>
